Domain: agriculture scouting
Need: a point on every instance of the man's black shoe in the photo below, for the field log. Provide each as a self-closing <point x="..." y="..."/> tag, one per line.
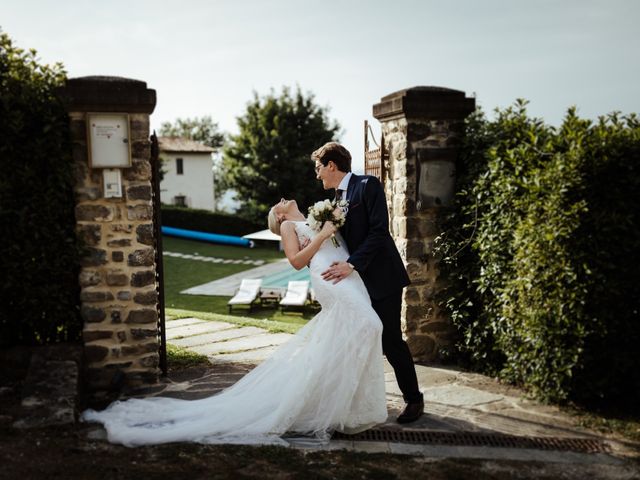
<point x="411" y="413"/>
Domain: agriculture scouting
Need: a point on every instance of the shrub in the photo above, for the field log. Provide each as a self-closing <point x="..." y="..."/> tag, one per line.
<point x="207" y="221"/>
<point x="540" y="254"/>
<point x="38" y="251"/>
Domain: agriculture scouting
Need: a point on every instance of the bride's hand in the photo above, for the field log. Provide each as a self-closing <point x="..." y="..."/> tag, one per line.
<point x="328" y="229"/>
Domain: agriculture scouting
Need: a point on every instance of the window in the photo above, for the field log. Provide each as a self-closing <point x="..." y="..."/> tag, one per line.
<point x="179" y="166"/>
<point x="180" y="200"/>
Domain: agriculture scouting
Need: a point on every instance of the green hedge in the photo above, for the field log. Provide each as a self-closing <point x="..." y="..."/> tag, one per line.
<point x="38" y="251"/>
<point x="542" y="251"/>
<point x="208" y="221"/>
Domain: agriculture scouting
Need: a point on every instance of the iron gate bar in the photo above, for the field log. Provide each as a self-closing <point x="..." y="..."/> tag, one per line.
<point x="157" y="236"/>
<point x="473" y="439"/>
<point x="374" y="159"/>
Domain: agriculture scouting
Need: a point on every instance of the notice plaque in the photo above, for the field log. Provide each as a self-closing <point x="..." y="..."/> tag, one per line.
<point x="436" y="184"/>
<point x="108" y="138"/>
<point x="112" y="183"/>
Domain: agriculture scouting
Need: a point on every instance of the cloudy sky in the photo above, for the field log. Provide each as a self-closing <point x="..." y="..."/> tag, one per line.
<point x="206" y="57"/>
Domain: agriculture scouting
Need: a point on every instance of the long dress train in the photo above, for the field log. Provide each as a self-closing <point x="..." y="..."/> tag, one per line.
<point x="329" y="376"/>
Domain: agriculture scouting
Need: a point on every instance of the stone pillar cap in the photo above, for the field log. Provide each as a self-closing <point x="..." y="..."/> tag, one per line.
<point x="428" y="102"/>
<point x="100" y="93"/>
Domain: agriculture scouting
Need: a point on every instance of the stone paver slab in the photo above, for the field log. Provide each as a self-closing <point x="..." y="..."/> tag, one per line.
<point x="250" y="356"/>
<point x="209" y="338"/>
<point x="182" y="322"/>
<point x="197" y="329"/>
<point x="244" y="343"/>
<point x="459" y="396"/>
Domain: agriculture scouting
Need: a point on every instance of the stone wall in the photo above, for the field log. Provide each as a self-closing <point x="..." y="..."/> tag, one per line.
<point x="118" y="278"/>
<point x="419" y="123"/>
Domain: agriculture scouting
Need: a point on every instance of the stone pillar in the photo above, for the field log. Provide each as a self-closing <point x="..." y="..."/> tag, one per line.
<point x="117" y="278"/>
<point x="422" y="127"/>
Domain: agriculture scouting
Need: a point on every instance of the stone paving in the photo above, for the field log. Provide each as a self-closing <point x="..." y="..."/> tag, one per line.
<point x="455" y="401"/>
<point x="228" y="286"/>
<point x="457" y="404"/>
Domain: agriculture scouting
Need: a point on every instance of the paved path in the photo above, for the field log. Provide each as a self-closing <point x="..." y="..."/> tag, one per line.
<point x="228" y="286"/>
<point x="455" y="401"/>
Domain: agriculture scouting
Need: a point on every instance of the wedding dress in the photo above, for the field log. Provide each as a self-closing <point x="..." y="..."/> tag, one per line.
<point x="329" y="376"/>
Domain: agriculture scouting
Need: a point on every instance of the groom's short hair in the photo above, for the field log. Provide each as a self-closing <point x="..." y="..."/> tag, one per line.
<point x="333" y="152"/>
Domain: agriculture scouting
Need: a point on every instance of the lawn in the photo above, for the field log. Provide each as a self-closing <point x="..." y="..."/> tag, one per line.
<point x="181" y="273"/>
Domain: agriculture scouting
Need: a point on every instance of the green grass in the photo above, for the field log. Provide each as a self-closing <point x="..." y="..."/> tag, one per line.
<point x="181" y="273"/>
<point x="179" y="358"/>
<point x="274" y="326"/>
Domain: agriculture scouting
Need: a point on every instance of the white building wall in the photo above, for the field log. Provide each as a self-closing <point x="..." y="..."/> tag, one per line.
<point x="195" y="184"/>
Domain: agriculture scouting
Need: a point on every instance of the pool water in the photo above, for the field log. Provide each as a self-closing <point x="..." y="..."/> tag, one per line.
<point x="283" y="277"/>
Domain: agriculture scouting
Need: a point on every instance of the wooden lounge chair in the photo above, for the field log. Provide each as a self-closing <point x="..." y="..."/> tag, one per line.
<point x="247" y="293"/>
<point x="296" y="294"/>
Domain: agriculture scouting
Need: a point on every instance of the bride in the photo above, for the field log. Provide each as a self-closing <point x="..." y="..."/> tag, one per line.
<point x="329" y="376"/>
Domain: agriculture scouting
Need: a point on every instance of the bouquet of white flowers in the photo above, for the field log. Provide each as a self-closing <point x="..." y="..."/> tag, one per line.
<point x="325" y="211"/>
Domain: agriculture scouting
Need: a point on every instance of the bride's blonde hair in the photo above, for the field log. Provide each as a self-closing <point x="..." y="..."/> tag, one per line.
<point x="273" y="222"/>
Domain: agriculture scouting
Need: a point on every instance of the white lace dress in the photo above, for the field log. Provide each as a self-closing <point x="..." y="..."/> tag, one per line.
<point x="329" y="376"/>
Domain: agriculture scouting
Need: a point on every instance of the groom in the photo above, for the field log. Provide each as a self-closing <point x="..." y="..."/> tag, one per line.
<point x="374" y="255"/>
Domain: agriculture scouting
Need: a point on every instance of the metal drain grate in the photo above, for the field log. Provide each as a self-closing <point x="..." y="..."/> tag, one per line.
<point x="585" y="445"/>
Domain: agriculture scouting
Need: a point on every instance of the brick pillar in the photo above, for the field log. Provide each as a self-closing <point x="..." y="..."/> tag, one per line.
<point x="422" y="127"/>
<point x="117" y="278"/>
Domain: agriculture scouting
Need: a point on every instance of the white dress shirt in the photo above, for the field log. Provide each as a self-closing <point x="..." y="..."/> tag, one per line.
<point x="344" y="184"/>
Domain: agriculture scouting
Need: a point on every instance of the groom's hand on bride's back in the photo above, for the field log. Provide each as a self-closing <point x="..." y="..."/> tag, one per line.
<point x="337" y="271"/>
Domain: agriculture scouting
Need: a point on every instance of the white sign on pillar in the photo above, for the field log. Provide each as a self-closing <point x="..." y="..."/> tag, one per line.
<point x="112" y="183"/>
<point x="108" y="138"/>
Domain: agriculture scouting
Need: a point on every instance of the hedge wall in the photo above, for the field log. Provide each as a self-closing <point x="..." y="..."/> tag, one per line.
<point x="38" y="251"/>
<point x="208" y="221"/>
<point x="542" y="251"/>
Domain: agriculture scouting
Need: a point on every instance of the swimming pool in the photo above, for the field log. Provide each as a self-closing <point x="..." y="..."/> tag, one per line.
<point x="283" y="277"/>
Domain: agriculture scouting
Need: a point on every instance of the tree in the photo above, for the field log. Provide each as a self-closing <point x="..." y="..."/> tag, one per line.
<point x="202" y="129"/>
<point x="269" y="157"/>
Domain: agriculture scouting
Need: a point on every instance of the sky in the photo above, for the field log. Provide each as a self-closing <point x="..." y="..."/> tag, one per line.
<point x="207" y="57"/>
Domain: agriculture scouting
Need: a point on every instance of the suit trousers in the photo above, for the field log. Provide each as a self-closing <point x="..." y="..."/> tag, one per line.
<point x="395" y="348"/>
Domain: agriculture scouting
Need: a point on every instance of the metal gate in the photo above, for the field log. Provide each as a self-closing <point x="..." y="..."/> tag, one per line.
<point x="157" y="245"/>
<point x="374" y="159"/>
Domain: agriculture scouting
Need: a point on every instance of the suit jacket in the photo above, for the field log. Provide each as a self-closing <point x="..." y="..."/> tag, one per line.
<point x="366" y="232"/>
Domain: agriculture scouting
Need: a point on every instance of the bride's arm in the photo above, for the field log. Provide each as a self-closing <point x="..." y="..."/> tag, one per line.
<point x="299" y="258"/>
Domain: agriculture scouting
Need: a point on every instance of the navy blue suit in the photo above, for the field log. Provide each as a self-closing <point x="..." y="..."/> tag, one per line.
<point x="374" y="255"/>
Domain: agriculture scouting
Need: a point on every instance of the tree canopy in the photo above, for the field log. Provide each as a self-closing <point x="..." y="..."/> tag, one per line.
<point x="202" y="129"/>
<point x="269" y="157"/>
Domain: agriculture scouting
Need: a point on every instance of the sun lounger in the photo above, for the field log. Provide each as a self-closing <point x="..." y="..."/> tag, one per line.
<point x="296" y="294"/>
<point x="247" y="293"/>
